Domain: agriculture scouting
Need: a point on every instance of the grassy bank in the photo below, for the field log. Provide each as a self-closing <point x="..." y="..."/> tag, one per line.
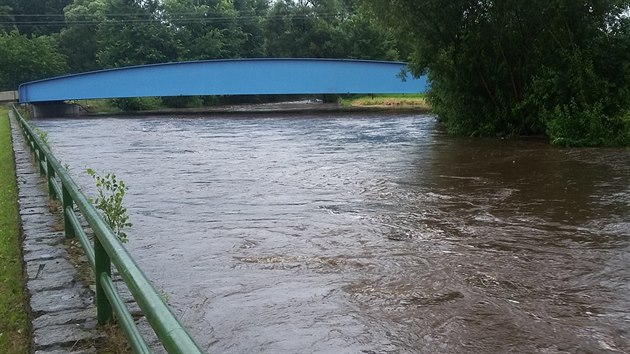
<point x="418" y="101"/>
<point x="13" y="318"/>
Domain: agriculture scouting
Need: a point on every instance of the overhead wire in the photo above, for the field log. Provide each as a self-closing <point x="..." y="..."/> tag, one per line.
<point x="179" y="18"/>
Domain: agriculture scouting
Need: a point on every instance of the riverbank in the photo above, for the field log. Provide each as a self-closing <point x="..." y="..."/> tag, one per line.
<point x="378" y="103"/>
<point x="399" y="101"/>
<point x="13" y="317"/>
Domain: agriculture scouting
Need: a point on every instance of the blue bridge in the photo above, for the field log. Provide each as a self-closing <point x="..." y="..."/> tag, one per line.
<point x="229" y="77"/>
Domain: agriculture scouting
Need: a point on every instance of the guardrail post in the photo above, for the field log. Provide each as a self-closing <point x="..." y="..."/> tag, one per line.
<point x="66" y="200"/>
<point x="51" y="177"/>
<point x="102" y="264"/>
<point x="42" y="160"/>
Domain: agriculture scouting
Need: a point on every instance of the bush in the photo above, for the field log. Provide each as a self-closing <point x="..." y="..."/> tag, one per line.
<point x="571" y="125"/>
<point x="137" y="103"/>
<point x="182" y="101"/>
<point x="111" y="192"/>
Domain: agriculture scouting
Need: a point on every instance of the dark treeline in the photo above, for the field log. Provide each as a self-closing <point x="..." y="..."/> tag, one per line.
<point x="40" y="38"/>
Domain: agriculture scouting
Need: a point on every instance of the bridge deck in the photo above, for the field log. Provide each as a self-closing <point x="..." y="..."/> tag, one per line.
<point x="229" y="77"/>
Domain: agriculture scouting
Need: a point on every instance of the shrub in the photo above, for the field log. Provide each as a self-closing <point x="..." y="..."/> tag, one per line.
<point x="111" y="192"/>
<point x="137" y="103"/>
<point x="572" y="125"/>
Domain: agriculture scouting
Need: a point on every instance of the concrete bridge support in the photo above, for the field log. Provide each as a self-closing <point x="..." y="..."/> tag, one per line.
<point x="8" y="96"/>
<point x="56" y="109"/>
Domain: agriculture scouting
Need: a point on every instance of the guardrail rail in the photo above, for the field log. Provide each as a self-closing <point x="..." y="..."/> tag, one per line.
<point x="104" y="250"/>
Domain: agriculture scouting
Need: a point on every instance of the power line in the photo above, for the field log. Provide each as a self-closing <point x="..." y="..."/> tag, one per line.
<point x="175" y="18"/>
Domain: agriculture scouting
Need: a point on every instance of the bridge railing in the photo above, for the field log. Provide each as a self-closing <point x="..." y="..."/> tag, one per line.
<point x="101" y="252"/>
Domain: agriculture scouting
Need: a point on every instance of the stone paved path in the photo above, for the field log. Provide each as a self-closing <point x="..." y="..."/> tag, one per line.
<point x="63" y="314"/>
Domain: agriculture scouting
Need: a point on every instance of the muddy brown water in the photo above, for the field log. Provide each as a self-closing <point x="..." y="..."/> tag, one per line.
<point x="368" y="234"/>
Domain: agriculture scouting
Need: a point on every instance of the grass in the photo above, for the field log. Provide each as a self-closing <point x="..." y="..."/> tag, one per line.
<point x="418" y="101"/>
<point x="13" y="318"/>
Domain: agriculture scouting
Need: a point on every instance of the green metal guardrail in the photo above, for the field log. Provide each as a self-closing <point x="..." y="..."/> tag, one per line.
<point x="106" y="250"/>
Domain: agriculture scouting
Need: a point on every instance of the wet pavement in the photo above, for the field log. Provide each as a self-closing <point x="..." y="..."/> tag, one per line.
<point x="363" y="233"/>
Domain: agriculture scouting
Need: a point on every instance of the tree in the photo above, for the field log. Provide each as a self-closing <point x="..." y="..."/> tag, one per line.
<point x="7" y="20"/>
<point x="366" y="38"/>
<point x="251" y="15"/>
<point x="25" y="59"/>
<point x="133" y="33"/>
<point x="79" y="39"/>
<point x="217" y="29"/>
<point x="326" y="29"/>
<point x="560" y="67"/>
<point x="36" y="17"/>
<point x="188" y="20"/>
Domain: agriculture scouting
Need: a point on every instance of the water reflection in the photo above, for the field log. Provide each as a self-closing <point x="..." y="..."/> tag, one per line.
<point x="369" y="234"/>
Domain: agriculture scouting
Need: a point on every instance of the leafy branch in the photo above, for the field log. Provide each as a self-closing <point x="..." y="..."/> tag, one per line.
<point x="42" y="135"/>
<point x="111" y="192"/>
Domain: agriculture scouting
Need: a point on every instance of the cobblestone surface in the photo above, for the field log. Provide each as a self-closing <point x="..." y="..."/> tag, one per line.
<point x="63" y="314"/>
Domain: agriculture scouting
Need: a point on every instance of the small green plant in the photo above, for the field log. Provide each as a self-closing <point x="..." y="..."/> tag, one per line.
<point x="42" y="135"/>
<point x="111" y="192"/>
<point x="165" y="296"/>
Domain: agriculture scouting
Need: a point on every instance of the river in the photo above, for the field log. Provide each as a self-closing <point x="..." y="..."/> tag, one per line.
<point x="364" y="233"/>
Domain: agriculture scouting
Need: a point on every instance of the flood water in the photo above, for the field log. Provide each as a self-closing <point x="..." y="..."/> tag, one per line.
<point x="367" y="233"/>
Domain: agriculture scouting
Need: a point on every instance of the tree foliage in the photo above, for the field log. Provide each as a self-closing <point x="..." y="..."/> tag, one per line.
<point x="133" y="33"/>
<point x="211" y="29"/>
<point x="560" y="67"/>
<point x="111" y="194"/>
<point x="79" y="38"/>
<point x="35" y="17"/>
<point x="25" y="59"/>
<point x="326" y="29"/>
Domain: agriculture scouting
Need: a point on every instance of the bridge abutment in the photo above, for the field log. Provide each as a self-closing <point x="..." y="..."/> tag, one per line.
<point x="8" y="96"/>
<point x="56" y="109"/>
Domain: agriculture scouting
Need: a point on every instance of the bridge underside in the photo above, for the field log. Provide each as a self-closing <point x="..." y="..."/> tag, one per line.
<point x="229" y="77"/>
